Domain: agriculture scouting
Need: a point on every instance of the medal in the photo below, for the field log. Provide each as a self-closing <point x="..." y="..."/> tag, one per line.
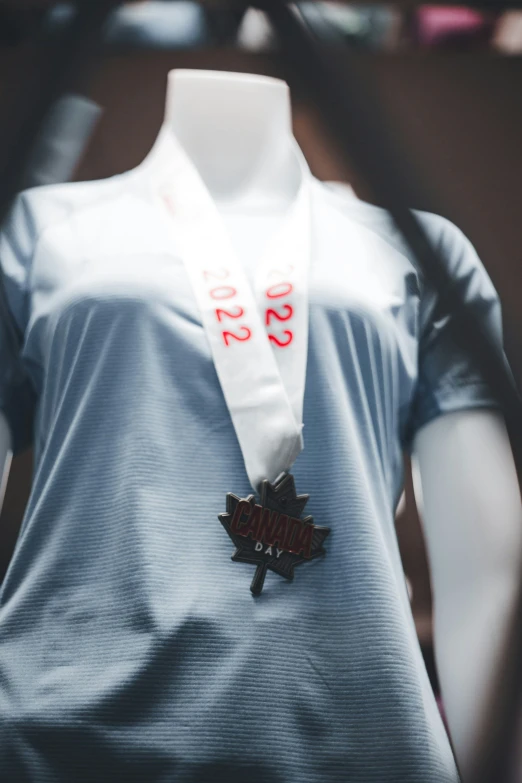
<point x="271" y="533"/>
<point x="259" y="343"/>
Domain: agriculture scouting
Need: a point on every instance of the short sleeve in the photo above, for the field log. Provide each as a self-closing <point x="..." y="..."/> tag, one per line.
<point x="449" y="379"/>
<point x="17" y="397"/>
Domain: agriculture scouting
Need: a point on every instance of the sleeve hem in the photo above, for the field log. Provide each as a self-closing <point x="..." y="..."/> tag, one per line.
<point x="478" y="395"/>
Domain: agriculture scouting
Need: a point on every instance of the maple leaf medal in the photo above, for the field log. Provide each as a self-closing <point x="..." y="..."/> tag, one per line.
<point x="271" y="533"/>
<point x="258" y="338"/>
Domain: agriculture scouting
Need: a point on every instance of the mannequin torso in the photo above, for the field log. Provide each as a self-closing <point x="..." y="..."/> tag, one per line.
<point x="236" y="130"/>
<point x="244" y="158"/>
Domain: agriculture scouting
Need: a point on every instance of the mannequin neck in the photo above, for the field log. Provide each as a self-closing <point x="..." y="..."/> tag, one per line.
<point x="236" y="129"/>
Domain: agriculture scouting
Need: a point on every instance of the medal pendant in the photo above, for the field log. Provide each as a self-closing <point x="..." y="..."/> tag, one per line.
<point x="271" y="534"/>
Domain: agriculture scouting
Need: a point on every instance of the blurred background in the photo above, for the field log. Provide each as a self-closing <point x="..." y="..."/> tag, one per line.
<point x="449" y="79"/>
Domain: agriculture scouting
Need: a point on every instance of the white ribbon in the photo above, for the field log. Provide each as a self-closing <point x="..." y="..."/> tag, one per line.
<point x="259" y="340"/>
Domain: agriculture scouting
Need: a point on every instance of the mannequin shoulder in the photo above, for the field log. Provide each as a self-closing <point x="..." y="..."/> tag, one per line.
<point x="445" y="235"/>
<point x="36" y="209"/>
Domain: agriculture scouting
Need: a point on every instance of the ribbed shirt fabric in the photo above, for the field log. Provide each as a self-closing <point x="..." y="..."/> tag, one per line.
<point x="131" y="647"/>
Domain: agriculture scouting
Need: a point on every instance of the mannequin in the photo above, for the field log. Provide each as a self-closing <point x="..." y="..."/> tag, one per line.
<point x="471" y="508"/>
<point x="471" y="500"/>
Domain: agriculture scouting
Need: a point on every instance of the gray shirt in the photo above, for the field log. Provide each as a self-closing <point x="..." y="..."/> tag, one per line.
<point x="131" y="647"/>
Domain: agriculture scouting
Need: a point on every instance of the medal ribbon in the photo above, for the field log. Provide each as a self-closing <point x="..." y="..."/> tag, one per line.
<point x="258" y="339"/>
